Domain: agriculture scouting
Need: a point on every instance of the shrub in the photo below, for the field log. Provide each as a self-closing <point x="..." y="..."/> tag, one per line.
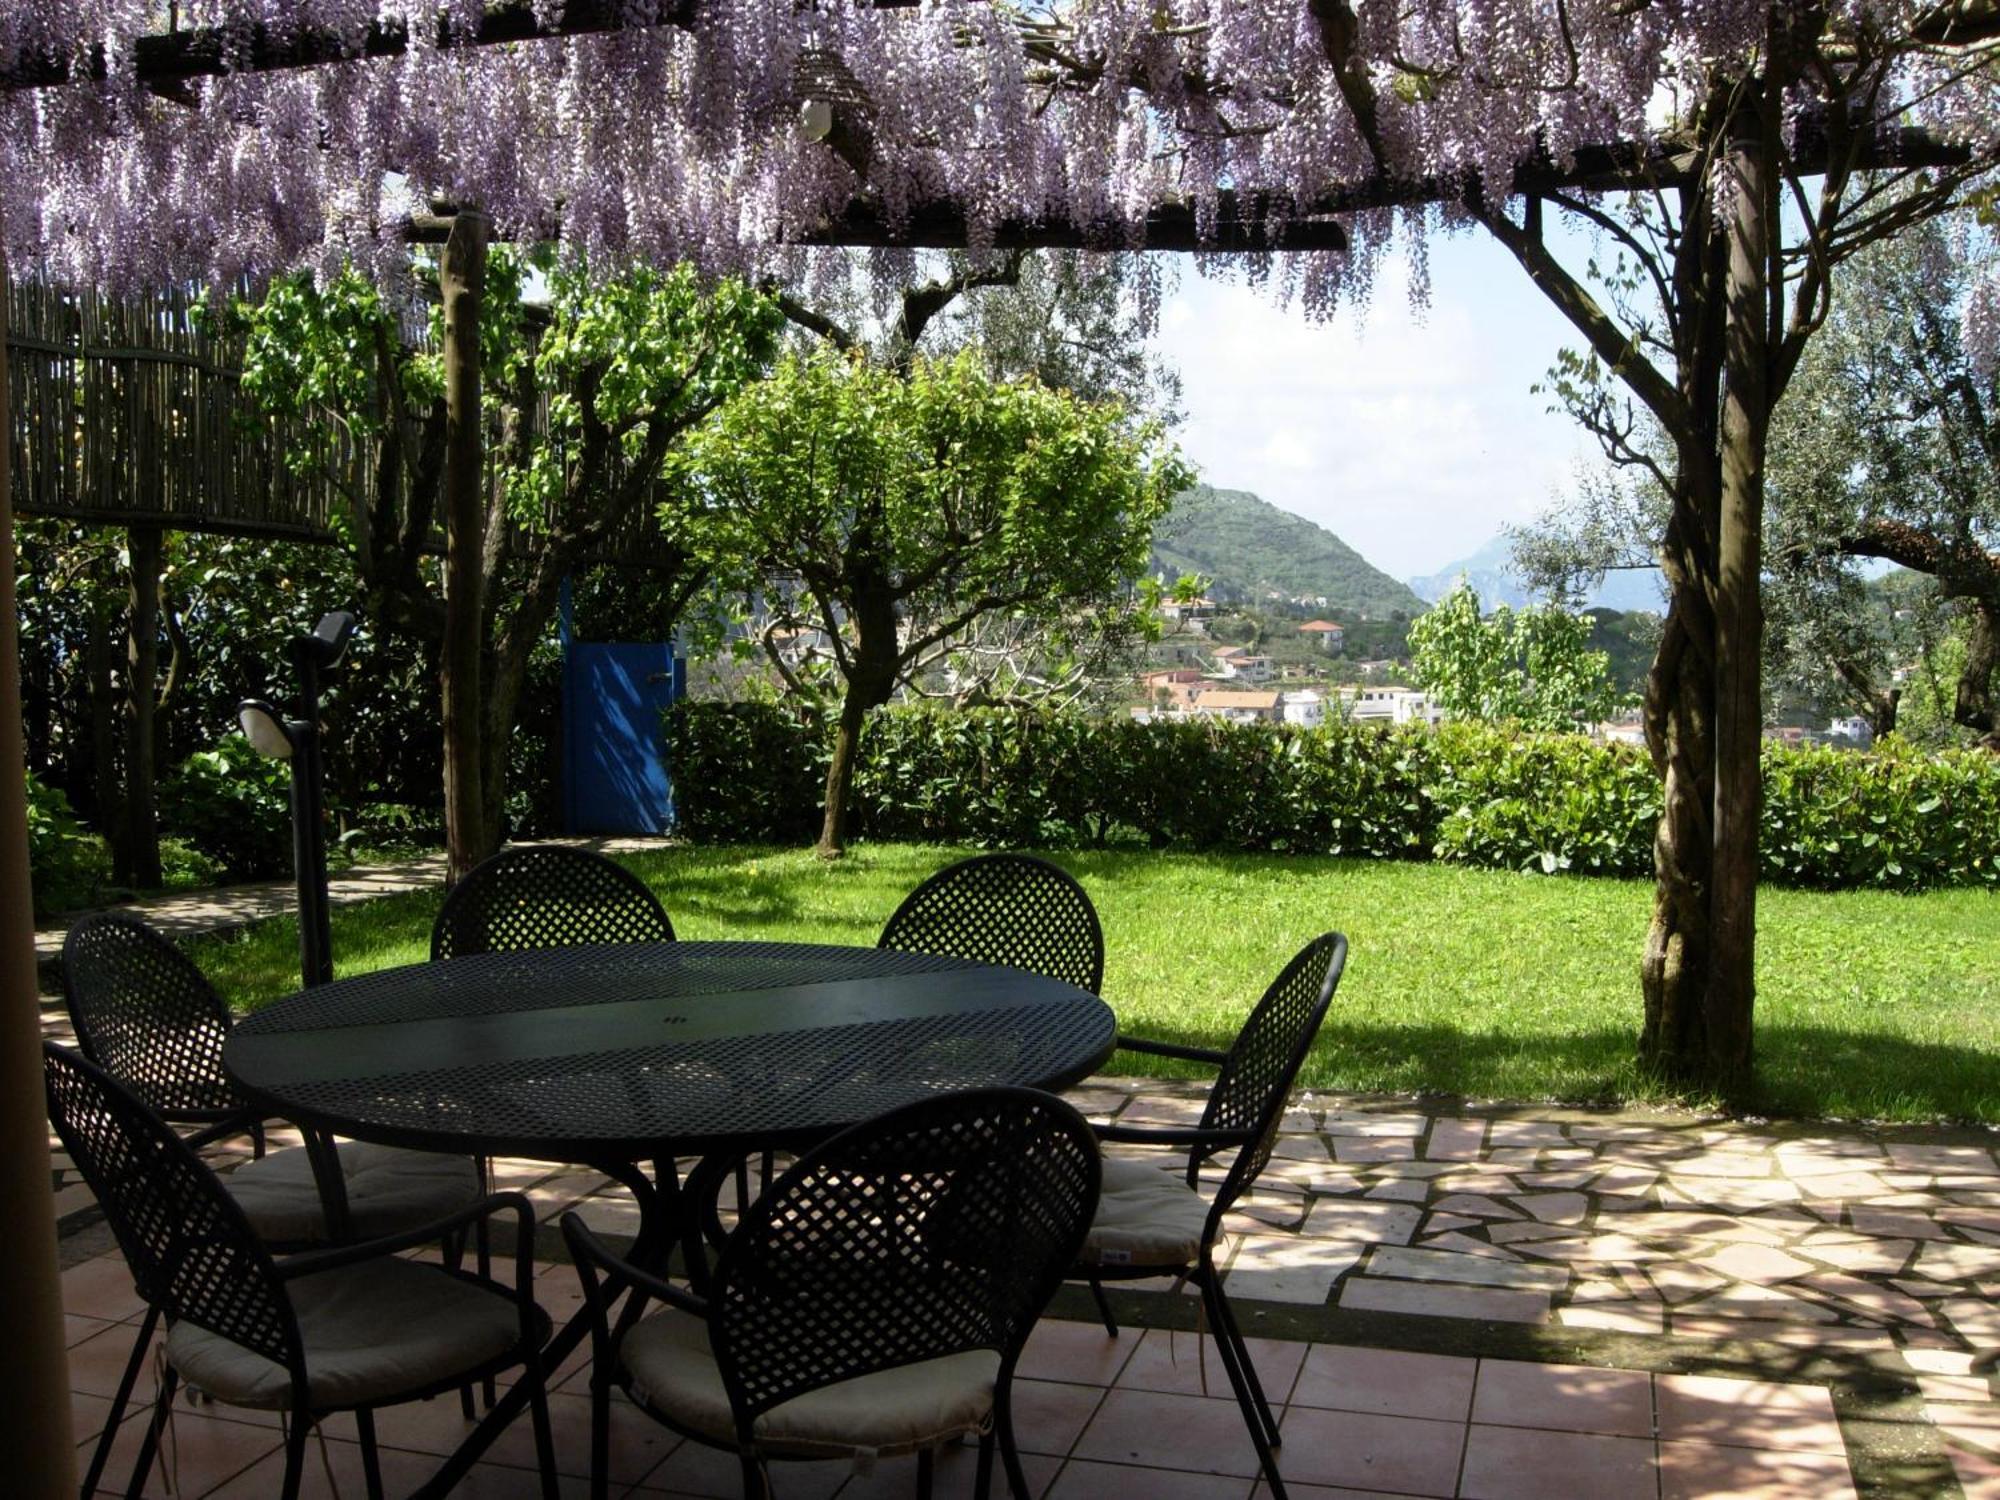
<point x="233" y="805"/>
<point x="67" y="864"/>
<point x="1475" y="793"/>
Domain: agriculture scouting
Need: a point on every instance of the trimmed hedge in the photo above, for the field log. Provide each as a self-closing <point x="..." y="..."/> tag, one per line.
<point x="1476" y="793"/>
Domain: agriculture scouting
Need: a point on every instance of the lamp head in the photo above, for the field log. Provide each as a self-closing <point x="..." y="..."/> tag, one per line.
<point x="328" y="642"/>
<point x="265" y="728"/>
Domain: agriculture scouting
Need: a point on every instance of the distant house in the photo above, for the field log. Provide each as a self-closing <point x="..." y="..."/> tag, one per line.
<point x="1854" y="731"/>
<point x="1392" y="705"/>
<point x="1174" y="689"/>
<point x="1189" y="614"/>
<point x="1239" y="707"/>
<point x="1238" y="664"/>
<point x="1619" y="732"/>
<point x="1305" y="708"/>
<point x="1331" y="636"/>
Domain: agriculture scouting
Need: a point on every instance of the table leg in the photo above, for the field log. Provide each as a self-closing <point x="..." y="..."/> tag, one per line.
<point x="658" y="1213"/>
<point x="325" y="1159"/>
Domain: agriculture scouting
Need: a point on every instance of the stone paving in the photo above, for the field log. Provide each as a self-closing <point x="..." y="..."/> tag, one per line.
<point x="1401" y="1258"/>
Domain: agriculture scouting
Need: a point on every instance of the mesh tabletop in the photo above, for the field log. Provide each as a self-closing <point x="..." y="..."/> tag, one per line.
<point x="628" y="1051"/>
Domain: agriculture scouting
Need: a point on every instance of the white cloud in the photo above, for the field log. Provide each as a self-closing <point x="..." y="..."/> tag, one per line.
<point x="1414" y="439"/>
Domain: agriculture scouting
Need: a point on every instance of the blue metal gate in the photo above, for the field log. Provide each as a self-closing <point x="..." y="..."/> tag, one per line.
<point x="614" y="743"/>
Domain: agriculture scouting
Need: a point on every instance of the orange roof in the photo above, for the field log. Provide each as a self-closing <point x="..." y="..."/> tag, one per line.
<point x="1322" y="625"/>
<point x="1224" y="698"/>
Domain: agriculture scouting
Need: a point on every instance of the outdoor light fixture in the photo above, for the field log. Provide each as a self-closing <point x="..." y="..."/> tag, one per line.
<point x="271" y="733"/>
<point x="816" y="119"/>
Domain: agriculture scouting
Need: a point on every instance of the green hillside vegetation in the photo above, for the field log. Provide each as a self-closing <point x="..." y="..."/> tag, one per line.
<point x="1247" y="547"/>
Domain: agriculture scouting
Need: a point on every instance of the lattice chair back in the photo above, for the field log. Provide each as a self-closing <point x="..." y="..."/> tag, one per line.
<point x="144" y="1012"/>
<point x="1255" y="1081"/>
<point x="191" y="1251"/>
<point x="1008" y="909"/>
<point x="940" y="1228"/>
<point x="547" y="896"/>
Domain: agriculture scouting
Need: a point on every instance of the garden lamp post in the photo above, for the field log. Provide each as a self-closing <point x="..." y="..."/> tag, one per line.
<point x="271" y="733"/>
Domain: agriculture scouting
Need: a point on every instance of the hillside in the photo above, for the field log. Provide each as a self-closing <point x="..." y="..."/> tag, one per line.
<point x="1491" y="573"/>
<point x="1249" y="548"/>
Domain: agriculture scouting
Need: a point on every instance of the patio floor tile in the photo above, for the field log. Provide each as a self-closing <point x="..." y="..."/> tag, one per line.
<point x="1083" y="1480"/>
<point x="1060" y="1349"/>
<point x="204" y="1452"/>
<point x="1386" y="1382"/>
<point x="1167" y="1361"/>
<point x="1567" y="1398"/>
<point x="1049" y="1416"/>
<point x="1403" y="1455"/>
<point x="1747" y="1413"/>
<point x="1521" y="1463"/>
<point x="1190" y="1434"/>
<point x="1709" y="1471"/>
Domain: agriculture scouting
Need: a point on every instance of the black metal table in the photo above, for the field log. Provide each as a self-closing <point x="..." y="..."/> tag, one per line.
<point x="616" y="1055"/>
<point x="635" y="1051"/>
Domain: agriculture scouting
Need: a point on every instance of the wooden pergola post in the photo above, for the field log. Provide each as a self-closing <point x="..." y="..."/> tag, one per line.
<point x="34" y="1375"/>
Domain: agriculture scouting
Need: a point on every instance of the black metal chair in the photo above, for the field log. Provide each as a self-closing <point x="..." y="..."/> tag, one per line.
<point x="149" y="1017"/>
<point x="1008" y="909"/>
<point x="1154" y="1222"/>
<point x="547" y="896"/>
<point x="874" y="1300"/>
<point x="347" y="1329"/>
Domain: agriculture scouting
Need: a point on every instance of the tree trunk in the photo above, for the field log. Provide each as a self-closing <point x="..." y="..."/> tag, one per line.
<point x="1705" y="696"/>
<point x="137" y="855"/>
<point x="871" y="681"/>
<point x="840" y="774"/>
<point x="469" y="834"/>
<point x="99" y="654"/>
<point x="1973" y="704"/>
<point x="35" y="1388"/>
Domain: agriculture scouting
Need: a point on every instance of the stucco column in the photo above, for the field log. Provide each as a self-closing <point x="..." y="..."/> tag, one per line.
<point x="40" y="1461"/>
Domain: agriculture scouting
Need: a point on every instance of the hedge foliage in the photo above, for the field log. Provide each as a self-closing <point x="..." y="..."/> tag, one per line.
<point x="1475" y="793"/>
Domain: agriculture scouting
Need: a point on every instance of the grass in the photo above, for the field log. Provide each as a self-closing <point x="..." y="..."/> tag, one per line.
<point x="1480" y="983"/>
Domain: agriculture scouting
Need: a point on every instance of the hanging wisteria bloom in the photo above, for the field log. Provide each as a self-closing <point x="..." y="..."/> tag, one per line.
<point x="624" y="131"/>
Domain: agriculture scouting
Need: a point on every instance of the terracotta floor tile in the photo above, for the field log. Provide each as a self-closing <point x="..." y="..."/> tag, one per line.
<point x="98" y="1363"/>
<point x="1492" y="1304"/>
<point x="696" y="1469"/>
<point x="1747" y="1413"/>
<point x="207" y="1451"/>
<point x="1190" y="1434"/>
<point x="1082" y="1480"/>
<point x="86" y="1419"/>
<point x="1403" y="1455"/>
<point x="1168" y="1361"/>
<point x="1050" y="1415"/>
<point x="1708" y="1471"/>
<point x="957" y="1472"/>
<point x="1386" y="1382"/>
<point x="101" y="1288"/>
<point x="1059" y="1349"/>
<point x="1521" y="1463"/>
<point x="1978" y="1475"/>
<point x="1564" y="1398"/>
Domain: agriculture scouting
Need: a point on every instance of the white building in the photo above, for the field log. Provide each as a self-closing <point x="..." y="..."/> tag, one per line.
<point x="1238" y="707"/>
<point x="1305" y="708"/>
<point x="1854" y="730"/>
<point x="1392" y="705"/>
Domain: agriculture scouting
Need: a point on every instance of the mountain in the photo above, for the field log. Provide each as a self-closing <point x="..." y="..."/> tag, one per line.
<point x="1249" y="548"/>
<point x="1491" y="573"/>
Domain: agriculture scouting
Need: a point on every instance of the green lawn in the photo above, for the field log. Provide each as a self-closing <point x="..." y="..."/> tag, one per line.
<point x="1473" y="982"/>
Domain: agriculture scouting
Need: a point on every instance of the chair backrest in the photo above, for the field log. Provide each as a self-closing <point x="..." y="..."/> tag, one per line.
<point x="144" y="1012"/>
<point x="1008" y="909"/>
<point x="1255" y="1081"/>
<point x="546" y="896"/>
<point x="191" y="1251"/>
<point x="941" y="1227"/>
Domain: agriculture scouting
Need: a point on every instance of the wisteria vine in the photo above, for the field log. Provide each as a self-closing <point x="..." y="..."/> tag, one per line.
<point x="692" y="142"/>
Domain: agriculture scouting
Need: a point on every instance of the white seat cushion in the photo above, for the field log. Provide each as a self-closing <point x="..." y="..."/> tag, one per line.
<point x="377" y="1331"/>
<point x="1146" y="1216"/>
<point x="388" y="1190"/>
<point x="673" y="1370"/>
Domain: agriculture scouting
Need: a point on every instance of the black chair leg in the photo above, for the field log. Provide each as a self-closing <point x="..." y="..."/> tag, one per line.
<point x="756" y="1483"/>
<point x="1103" y="1307"/>
<point x="545" y="1442"/>
<point x="102" y="1453"/>
<point x="483" y="1248"/>
<point x="600" y="1439"/>
<point x="1229" y="1326"/>
<point x="371" y="1458"/>
<point x="163" y="1404"/>
<point x="298" y="1430"/>
<point x="1246" y="1400"/>
<point x="982" y="1484"/>
<point x="1010" y="1456"/>
<point x="926" y="1474"/>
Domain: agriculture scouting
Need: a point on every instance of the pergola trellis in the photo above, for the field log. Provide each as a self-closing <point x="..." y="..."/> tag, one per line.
<point x="1169" y="124"/>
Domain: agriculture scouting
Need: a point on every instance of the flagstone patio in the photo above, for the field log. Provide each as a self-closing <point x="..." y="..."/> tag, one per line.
<point x="1485" y="1302"/>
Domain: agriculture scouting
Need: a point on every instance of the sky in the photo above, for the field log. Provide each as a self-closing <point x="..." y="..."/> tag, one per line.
<point x="1414" y="436"/>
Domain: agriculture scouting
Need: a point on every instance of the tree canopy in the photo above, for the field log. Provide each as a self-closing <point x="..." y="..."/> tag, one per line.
<point x="1532" y="666"/>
